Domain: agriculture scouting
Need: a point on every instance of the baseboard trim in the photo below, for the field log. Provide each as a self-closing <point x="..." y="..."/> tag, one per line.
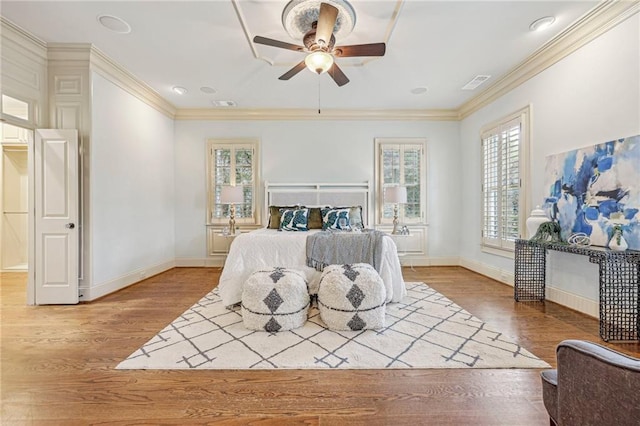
<point x="573" y="301"/>
<point x="210" y="262"/>
<point x="409" y="261"/>
<point x="501" y="275"/>
<point x="577" y="303"/>
<point x="88" y="294"/>
<point x="436" y="261"/>
<point x="206" y="262"/>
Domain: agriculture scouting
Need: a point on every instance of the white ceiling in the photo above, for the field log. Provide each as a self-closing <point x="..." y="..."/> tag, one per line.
<point x="438" y="44"/>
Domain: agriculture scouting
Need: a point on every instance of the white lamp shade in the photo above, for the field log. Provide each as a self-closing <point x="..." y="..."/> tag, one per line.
<point x="395" y="194"/>
<point x="231" y="195"/>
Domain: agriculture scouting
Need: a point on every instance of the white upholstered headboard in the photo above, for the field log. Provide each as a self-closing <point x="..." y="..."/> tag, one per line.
<point x="319" y="195"/>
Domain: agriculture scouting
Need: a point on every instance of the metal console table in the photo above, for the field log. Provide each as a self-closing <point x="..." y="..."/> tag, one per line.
<point x="619" y="283"/>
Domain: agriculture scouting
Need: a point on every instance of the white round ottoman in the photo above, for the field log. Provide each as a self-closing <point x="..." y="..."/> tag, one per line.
<point x="275" y="300"/>
<point x="352" y="297"/>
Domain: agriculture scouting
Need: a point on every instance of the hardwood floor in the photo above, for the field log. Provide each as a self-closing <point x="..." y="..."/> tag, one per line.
<point x="58" y="364"/>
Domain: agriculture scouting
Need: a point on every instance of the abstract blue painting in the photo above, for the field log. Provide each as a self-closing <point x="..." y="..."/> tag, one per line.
<point x="592" y="189"/>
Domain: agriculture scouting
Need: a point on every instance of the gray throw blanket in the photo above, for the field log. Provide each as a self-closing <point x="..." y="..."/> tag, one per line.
<point x="337" y="248"/>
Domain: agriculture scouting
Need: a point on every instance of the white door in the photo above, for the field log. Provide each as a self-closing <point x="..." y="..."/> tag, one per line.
<point x="56" y="238"/>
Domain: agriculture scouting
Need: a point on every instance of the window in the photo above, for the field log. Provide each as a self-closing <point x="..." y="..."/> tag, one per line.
<point x="401" y="162"/>
<point x="232" y="162"/>
<point x="504" y="149"/>
<point x="15" y="107"/>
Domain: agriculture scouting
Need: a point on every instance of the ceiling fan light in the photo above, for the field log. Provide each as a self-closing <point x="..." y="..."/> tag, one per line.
<point x="319" y="62"/>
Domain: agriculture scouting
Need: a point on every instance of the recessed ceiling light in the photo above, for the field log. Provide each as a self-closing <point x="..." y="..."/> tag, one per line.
<point x="542" y="23"/>
<point x="209" y="90"/>
<point x="223" y="103"/>
<point x="179" y="90"/>
<point x="419" y="90"/>
<point x="115" y="24"/>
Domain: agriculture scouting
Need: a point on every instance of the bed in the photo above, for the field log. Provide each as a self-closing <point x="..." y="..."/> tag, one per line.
<point x="266" y="248"/>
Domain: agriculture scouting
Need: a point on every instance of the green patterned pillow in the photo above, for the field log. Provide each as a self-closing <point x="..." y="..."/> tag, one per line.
<point x="331" y="218"/>
<point x="294" y="219"/>
<point x="315" y="218"/>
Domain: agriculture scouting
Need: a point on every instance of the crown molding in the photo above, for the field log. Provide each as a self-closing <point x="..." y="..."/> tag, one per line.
<point x="599" y="20"/>
<point x="15" y="34"/>
<point x="85" y="54"/>
<point x="69" y="54"/>
<point x="596" y="22"/>
<point x="122" y="78"/>
<point x="313" y="114"/>
<point x="593" y="24"/>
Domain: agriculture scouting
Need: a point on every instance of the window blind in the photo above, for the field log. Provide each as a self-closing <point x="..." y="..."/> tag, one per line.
<point x="402" y="164"/>
<point x="501" y="148"/>
<point x="401" y="161"/>
<point x="235" y="165"/>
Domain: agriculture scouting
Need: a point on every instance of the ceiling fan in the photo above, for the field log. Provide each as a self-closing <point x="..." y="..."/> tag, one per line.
<point x="319" y="43"/>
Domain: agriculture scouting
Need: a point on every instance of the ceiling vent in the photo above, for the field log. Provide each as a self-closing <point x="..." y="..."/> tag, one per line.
<point x="475" y="82"/>
<point x="223" y="103"/>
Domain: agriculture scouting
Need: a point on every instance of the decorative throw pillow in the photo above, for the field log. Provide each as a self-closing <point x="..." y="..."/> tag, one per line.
<point x="315" y="218"/>
<point x="275" y="215"/>
<point x="355" y="216"/>
<point x="331" y="218"/>
<point x="294" y="219"/>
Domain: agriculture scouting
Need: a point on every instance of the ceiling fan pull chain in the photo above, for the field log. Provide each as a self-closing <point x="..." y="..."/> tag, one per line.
<point x="318" y="94"/>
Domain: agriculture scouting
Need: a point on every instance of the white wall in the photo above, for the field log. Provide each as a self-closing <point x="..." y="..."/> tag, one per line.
<point x="132" y="193"/>
<point x="589" y="97"/>
<point x="317" y="151"/>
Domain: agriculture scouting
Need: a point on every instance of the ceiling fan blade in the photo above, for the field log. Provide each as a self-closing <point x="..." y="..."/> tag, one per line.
<point x="337" y="75"/>
<point x="277" y="43"/>
<point x="326" y="22"/>
<point x="373" y="49"/>
<point x="293" y="71"/>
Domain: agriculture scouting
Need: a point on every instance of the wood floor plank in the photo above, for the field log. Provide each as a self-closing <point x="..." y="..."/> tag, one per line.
<point x="58" y="364"/>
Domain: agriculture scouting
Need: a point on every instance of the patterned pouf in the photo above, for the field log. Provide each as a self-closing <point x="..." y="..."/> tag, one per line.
<point x="352" y="297"/>
<point x="275" y="300"/>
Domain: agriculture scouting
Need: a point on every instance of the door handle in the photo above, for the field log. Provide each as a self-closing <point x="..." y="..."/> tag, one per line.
<point x="70" y="225"/>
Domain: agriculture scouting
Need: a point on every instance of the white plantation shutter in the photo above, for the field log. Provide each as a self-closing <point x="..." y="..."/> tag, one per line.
<point x="501" y="180"/>
<point x="402" y="163"/>
<point x="511" y="182"/>
<point x="232" y="163"/>
<point x="491" y="189"/>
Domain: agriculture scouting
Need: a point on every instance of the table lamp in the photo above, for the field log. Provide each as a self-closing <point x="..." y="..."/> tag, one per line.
<point x="396" y="195"/>
<point x="231" y="195"/>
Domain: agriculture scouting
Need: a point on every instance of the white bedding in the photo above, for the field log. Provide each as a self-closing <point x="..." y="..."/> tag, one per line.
<point x="266" y="248"/>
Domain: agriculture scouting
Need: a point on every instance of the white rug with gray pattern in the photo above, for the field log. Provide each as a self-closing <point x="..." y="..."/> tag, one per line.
<point x="425" y="330"/>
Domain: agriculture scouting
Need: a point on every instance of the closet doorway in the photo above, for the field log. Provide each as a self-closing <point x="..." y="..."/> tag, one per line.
<point x="14" y="198"/>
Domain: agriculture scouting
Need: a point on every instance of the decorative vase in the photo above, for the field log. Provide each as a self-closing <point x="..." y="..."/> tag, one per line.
<point x="537" y="218"/>
<point x="617" y="241"/>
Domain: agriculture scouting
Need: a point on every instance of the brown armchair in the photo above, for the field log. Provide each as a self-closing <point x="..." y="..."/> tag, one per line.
<point x="593" y="385"/>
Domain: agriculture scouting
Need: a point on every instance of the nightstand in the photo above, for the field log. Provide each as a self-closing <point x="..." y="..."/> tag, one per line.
<point x="229" y="238"/>
<point x="401" y="245"/>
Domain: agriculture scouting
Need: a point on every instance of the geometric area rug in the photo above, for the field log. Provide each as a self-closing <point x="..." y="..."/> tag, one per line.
<point x="425" y="330"/>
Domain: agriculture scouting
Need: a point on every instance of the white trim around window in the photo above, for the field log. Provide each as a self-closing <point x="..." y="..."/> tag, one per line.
<point x="505" y="203"/>
<point x="233" y="162"/>
<point x="401" y="161"/>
